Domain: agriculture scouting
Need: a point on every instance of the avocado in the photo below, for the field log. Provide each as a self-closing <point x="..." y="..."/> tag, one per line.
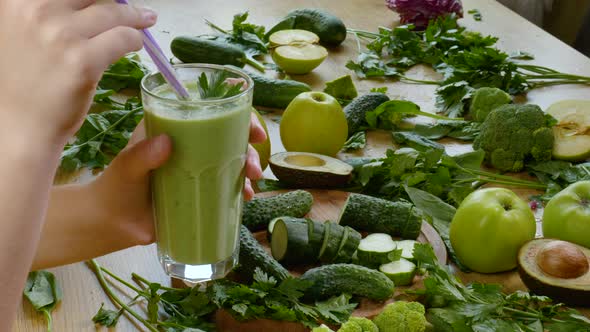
<point x="557" y="269"/>
<point x="309" y="170"/>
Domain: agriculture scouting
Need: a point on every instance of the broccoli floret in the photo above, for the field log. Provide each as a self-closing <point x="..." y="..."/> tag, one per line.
<point x="322" y="328"/>
<point x="358" y="324"/>
<point x="402" y="316"/>
<point x="484" y="100"/>
<point x="514" y="134"/>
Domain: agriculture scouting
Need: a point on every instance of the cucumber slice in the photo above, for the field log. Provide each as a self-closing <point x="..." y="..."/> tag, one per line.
<point x="333" y="243"/>
<point x="271" y="224"/>
<point x="407" y="247"/>
<point x="288" y="37"/>
<point x="401" y="272"/>
<point x="253" y="255"/>
<point x="374" y="250"/>
<point x="299" y="58"/>
<point x="315" y="235"/>
<point x="289" y="243"/>
<point x="349" y="245"/>
<point x="572" y="134"/>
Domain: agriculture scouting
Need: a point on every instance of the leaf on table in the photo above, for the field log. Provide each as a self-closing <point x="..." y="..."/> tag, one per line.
<point x="342" y="89"/>
<point x="107" y="318"/>
<point x="127" y="72"/>
<point x="356" y="142"/>
<point x="43" y="292"/>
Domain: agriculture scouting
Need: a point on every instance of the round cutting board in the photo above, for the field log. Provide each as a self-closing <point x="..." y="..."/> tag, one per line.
<point x="327" y="206"/>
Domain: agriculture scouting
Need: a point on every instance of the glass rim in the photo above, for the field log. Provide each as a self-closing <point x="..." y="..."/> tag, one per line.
<point x="232" y="69"/>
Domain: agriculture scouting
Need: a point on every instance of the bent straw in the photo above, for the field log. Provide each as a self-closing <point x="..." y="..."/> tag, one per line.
<point x="157" y="55"/>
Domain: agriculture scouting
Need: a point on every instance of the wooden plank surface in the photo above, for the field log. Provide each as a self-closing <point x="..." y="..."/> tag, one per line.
<point x="82" y="294"/>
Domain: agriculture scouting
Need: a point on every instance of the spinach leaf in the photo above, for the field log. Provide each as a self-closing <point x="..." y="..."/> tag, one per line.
<point x="342" y="89"/>
<point x="356" y="141"/>
<point x="389" y="114"/>
<point x="127" y="72"/>
<point x="44" y="293"/>
<point x="107" y="318"/>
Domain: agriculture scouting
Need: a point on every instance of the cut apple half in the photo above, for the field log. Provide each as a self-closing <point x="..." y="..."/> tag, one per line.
<point x="572" y="132"/>
<point x="288" y="37"/>
<point x="299" y="58"/>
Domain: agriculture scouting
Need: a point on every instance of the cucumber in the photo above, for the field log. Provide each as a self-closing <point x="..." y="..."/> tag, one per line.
<point x="401" y="272"/>
<point x="349" y="245"/>
<point x="275" y="93"/>
<point x="315" y="235"/>
<point x="356" y="110"/>
<point x="332" y="238"/>
<point x="327" y="26"/>
<point x="258" y="212"/>
<point x="336" y="279"/>
<point x="272" y="223"/>
<point x="375" y="215"/>
<point x="253" y="255"/>
<point x="375" y="249"/>
<point x="289" y="243"/>
<point x="407" y="247"/>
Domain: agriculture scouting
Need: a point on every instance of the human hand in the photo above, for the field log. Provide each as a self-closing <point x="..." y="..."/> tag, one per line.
<point x="123" y="190"/>
<point x="53" y="55"/>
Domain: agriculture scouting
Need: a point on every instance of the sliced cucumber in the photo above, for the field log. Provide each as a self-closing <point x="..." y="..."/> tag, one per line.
<point x="333" y="242"/>
<point x="407" y="247"/>
<point x="350" y="243"/>
<point x="315" y="233"/>
<point x="374" y="250"/>
<point x="253" y="255"/>
<point x="271" y="224"/>
<point x="289" y="243"/>
<point x="401" y="272"/>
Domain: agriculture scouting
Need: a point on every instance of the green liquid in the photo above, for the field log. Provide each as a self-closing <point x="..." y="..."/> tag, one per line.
<point x="197" y="194"/>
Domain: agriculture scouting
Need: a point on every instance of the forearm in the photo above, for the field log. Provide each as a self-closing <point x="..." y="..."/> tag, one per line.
<point x="27" y="168"/>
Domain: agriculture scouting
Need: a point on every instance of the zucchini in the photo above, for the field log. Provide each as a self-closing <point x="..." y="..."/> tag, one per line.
<point x="275" y="93"/>
<point x="336" y="279"/>
<point x="401" y="272"/>
<point x="327" y="26"/>
<point x="253" y="255"/>
<point x="258" y="213"/>
<point x="407" y="247"/>
<point x="315" y="235"/>
<point x="332" y="238"/>
<point x="272" y="223"/>
<point x="375" y="215"/>
<point x="289" y="243"/>
<point x="356" y="110"/>
<point x="349" y="245"/>
<point x="375" y="250"/>
<point x="207" y="50"/>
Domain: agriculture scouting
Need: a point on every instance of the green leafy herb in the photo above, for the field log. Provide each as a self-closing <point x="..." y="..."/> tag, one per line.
<point x="356" y="141"/>
<point x="476" y="14"/>
<point x="216" y="86"/>
<point x="107" y="318"/>
<point x="44" y="293"/>
<point x="125" y="73"/>
<point x="557" y="175"/>
<point x="463" y="130"/>
<point x="389" y="114"/>
<point x="380" y="90"/>
<point x="521" y="55"/>
<point x="483" y="307"/>
<point x="342" y="89"/>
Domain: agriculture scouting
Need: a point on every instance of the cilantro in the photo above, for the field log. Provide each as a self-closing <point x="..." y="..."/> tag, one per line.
<point x="342" y="89"/>
<point x="483" y="307"/>
<point x="476" y="14"/>
<point x="356" y="141"/>
<point x="216" y="86"/>
<point x="44" y="293"/>
<point x="125" y="73"/>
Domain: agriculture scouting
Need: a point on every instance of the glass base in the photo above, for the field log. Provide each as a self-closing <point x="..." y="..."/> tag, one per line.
<point x="199" y="273"/>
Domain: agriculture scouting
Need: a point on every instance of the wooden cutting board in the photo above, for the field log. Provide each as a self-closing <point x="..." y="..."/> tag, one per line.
<point x="327" y="206"/>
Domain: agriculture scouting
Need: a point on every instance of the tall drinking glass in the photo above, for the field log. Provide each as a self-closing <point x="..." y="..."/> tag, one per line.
<point x="197" y="194"/>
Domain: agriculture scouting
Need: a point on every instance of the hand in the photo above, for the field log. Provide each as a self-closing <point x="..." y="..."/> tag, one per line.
<point x="53" y="55"/>
<point x="123" y="189"/>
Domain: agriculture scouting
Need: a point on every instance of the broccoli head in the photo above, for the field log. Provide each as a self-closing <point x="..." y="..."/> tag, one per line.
<point x="358" y="324"/>
<point x="513" y="134"/>
<point x="402" y="316"/>
<point x="484" y="100"/>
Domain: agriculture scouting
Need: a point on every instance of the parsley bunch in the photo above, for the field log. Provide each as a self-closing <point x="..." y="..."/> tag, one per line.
<point x="466" y="59"/>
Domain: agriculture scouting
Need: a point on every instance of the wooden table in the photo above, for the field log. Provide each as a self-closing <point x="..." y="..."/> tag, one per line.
<point x="82" y="293"/>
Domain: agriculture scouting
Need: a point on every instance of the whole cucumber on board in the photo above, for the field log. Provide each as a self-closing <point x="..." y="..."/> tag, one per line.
<point x="253" y="255"/>
<point x="258" y="212"/>
<point x="356" y="110"/>
<point x="375" y="215"/>
<point x="274" y="93"/>
<point x="327" y="26"/>
<point x="205" y="50"/>
<point x="336" y="279"/>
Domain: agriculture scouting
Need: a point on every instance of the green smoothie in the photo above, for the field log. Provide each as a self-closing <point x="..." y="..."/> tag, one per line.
<point x="198" y="192"/>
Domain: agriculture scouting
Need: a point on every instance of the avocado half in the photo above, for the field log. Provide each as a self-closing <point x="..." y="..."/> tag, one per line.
<point x="557" y="269"/>
<point x="309" y="170"/>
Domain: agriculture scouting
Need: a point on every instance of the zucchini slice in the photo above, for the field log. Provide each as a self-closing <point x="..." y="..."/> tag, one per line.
<point x="374" y="250"/>
<point x="401" y="272"/>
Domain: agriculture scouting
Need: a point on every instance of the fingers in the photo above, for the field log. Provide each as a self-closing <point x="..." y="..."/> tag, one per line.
<point x="80" y="4"/>
<point x="257" y="133"/>
<point x="112" y="45"/>
<point x="137" y="160"/>
<point x="138" y="134"/>
<point x="253" y="169"/>
<point x="99" y="18"/>
<point x="248" y="191"/>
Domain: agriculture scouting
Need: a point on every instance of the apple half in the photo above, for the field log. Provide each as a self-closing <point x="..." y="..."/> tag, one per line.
<point x="296" y="51"/>
<point x="572" y="132"/>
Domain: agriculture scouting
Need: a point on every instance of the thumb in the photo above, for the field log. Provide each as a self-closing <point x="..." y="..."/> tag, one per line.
<point x="137" y="160"/>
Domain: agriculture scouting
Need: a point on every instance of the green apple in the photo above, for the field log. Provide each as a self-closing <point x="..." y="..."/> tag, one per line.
<point x="567" y="215"/>
<point x="314" y="122"/>
<point x="292" y="36"/>
<point x="572" y="132"/>
<point x="299" y="58"/>
<point x="489" y="228"/>
<point x="263" y="148"/>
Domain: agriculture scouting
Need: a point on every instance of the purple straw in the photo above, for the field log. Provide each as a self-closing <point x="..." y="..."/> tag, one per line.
<point x="157" y="55"/>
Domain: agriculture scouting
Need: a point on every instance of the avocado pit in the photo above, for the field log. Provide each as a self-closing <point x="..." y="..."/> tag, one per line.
<point x="562" y="260"/>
